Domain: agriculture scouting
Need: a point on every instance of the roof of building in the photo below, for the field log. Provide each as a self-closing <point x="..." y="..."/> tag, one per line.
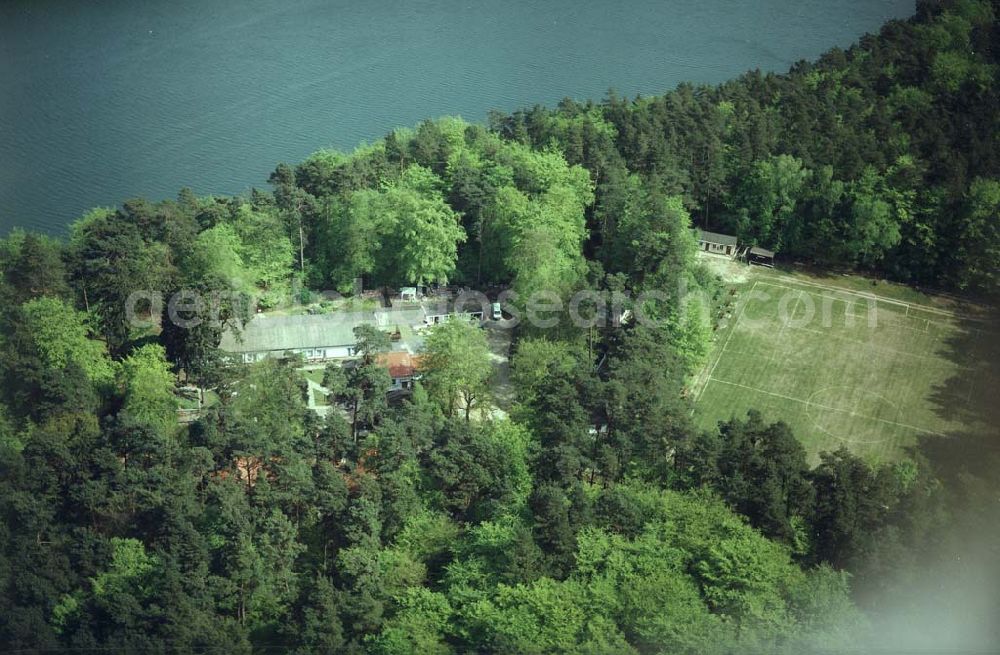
<point x="762" y="252"/>
<point x="400" y="364"/>
<point x="278" y="333"/>
<point x="402" y="314"/>
<point x="447" y="307"/>
<point x="435" y="308"/>
<point x="715" y="237"/>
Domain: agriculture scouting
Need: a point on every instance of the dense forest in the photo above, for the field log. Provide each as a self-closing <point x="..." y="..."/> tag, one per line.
<point x="594" y="517"/>
<point x="883" y="157"/>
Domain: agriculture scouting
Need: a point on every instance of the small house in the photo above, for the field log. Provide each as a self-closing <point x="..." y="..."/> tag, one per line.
<point x="403" y="369"/>
<point x="761" y="256"/>
<point x="713" y="242"/>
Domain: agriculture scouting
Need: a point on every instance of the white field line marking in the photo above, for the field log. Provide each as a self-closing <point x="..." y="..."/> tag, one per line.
<point x="899" y="326"/>
<point x="879" y="350"/>
<point x="854" y="407"/>
<point x="827" y="407"/>
<point x="874" y="348"/>
<point x="791" y="314"/>
<point x="866" y="294"/>
<point x="893" y="324"/>
<point x="784" y="325"/>
<point x="866" y="297"/>
<point x="729" y="336"/>
<point x="844" y="439"/>
<point x="869" y="295"/>
<point x="802" y="363"/>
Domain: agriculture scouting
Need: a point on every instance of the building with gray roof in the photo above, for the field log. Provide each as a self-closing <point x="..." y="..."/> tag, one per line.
<point x="314" y="336"/>
<point x="713" y="242"/>
<point x="318" y="337"/>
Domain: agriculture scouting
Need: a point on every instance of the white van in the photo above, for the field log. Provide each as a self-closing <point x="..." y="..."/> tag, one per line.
<point x="496" y="314"/>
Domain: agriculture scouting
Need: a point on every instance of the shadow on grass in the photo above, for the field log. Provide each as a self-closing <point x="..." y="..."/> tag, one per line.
<point x="970" y="397"/>
<point x="945" y="597"/>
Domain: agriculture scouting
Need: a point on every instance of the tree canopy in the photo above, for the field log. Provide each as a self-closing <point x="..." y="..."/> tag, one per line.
<point x="568" y="504"/>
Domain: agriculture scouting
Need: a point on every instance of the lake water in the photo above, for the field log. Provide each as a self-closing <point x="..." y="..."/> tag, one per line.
<point x="105" y="99"/>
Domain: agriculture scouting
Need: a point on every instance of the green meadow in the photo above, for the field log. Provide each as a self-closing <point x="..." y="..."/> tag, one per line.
<point x="847" y="368"/>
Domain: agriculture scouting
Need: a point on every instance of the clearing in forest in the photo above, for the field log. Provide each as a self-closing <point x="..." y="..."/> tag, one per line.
<point x="845" y="367"/>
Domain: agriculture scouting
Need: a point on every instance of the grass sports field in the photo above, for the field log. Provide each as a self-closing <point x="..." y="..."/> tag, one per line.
<point x="846" y="367"/>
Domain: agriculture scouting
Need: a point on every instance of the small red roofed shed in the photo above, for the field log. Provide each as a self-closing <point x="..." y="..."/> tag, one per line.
<point x="403" y="368"/>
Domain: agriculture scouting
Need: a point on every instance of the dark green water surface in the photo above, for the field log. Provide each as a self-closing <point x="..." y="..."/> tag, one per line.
<point x="101" y="100"/>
